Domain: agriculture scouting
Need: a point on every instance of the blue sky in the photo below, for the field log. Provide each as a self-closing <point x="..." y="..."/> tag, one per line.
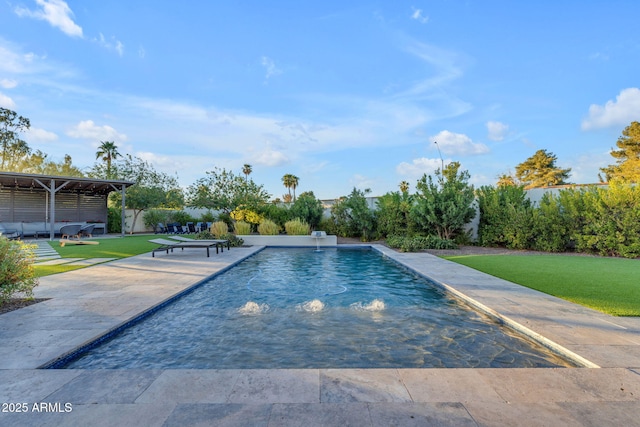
<point x="340" y="94"/>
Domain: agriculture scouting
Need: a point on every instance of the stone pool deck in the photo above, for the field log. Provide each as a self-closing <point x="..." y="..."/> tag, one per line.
<point x="86" y="303"/>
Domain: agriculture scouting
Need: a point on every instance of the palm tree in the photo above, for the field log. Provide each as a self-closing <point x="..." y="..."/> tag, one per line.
<point x="404" y="186"/>
<point x="108" y="151"/>
<point x="287" y="181"/>
<point x="246" y="170"/>
<point x="294" y="185"/>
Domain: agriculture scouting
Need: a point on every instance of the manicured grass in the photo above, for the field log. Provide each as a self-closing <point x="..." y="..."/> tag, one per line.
<point x="47" y="270"/>
<point x="610" y="285"/>
<point x="117" y="247"/>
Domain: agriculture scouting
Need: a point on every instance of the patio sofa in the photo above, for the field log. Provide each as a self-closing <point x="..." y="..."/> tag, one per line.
<point x="41" y="229"/>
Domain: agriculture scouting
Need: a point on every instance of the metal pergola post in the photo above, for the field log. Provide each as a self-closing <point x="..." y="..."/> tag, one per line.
<point x="52" y="190"/>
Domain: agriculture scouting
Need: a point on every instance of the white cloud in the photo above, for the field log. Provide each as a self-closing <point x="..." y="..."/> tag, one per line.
<point x="28" y="65"/>
<point x="419" y="16"/>
<point x="419" y="167"/>
<point x="622" y="111"/>
<point x="457" y="143"/>
<point x="55" y="12"/>
<point x="8" y="84"/>
<point x="445" y="63"/>
<point x="269" y="157"/>
<point x="40" y="135"/>
<point x="87" y="129"/>
<point x="270" y="67"/>
<point x="6" y="102"/>
<point x="111" y="44"/>
<point x="497" y="130"/>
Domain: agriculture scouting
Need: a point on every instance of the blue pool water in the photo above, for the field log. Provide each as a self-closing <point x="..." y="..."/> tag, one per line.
<point x="300" y="308"/>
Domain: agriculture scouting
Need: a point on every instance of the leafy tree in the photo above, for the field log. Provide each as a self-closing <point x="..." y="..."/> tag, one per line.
<point x="308" y="209"/>
<point x="108" y="152"/>
<point x="627" y="167"/>
<point x="540" y="170"/>
<point x="13" y="148"/>
<point x="39" y="162"/>
<point x="153" y="189"/>
<point x="445" y="206"/>
<point x="352" y="217"/>
<point x="223" y="190"/>
<point x="404" y="186"/>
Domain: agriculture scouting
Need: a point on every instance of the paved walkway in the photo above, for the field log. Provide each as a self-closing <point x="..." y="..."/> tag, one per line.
<point x="46" y="255"/>
<point x="44" y="251"/>
<point x="86" y="303"/>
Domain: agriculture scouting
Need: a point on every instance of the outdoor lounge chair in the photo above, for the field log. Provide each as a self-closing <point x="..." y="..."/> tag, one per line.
<point x="86" y="230"/>
<point x="71" y="230"/>
<point x="219" y="242"/>
<point x="174" y="228"/>
<point x="9" y="233"/>
<point x="170" y="245"/>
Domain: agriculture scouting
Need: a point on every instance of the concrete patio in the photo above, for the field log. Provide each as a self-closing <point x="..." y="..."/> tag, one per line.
<point x="88" y="302"/>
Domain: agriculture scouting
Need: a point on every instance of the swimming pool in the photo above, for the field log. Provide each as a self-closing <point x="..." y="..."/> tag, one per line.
<point x="300" y="308"/>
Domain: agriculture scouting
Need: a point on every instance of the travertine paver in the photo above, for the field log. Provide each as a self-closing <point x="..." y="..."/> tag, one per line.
<point x="90" y="261"/>
<point x="87" y="302"/>
<point x="58" y="261"/>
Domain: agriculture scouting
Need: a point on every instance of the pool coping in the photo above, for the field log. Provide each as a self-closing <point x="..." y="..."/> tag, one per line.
<point x="474" y="396"/>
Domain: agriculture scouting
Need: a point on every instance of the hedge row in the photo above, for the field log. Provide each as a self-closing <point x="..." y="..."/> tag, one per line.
<point x="604" y="221"/>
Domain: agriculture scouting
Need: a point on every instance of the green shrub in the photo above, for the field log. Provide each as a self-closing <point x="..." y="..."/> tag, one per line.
<point x="551" y="225"/>
<point x="114" y="220"/>
<point x="611" y="221"/>
<point x="268" y="228"/>
<point x="393" y="214"/>
<point x="518" y="230"/>
<point x="181" y="217"/>
<point x="505" y="216"/>
<point x="242" y="228"/>
<point x="207" y="235"/>
<point x="207" y="217"/>
<point x="17" y="275"/>
<point x="275" y="212"/>
<point x="219" y="228"/>
<point x="226" y="218"/>
<point x="154" y="217"/>
<point x="352" y="217"/>
<point x="204" y="235"/>
<point x="307" y="208"/>
<point x="418" y="243"/>
<point x="297" y="227"/>
<point x="234" y="241"/>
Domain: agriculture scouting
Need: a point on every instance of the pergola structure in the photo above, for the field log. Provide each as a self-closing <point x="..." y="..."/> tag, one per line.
<point x="21" y="197"/>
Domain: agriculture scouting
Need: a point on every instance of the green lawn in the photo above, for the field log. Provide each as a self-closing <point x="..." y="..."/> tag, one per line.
<point x="610" y="285"/>
<point x="117" y="247"/>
